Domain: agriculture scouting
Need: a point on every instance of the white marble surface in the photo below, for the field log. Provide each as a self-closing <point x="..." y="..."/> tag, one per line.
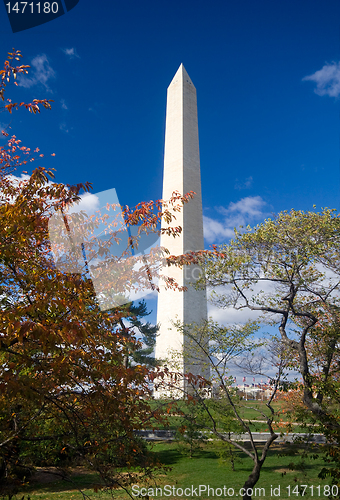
<point x="181" y="173"/>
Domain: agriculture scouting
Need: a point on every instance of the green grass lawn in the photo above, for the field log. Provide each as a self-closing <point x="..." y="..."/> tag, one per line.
<point x="206" y="469"/>
<point x="251" y="411"/>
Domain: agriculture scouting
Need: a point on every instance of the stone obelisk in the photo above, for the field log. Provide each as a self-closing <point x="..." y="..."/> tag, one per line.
<point x="182" y="174"/>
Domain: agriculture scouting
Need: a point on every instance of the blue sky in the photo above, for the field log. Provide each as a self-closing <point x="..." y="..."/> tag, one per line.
<point x="267" y="76"/>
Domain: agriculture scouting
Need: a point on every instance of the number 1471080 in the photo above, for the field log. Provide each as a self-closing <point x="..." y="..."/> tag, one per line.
<point x="32" y="8"/>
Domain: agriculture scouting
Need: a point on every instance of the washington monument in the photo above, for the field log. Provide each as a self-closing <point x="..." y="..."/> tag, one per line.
<point x="181" y="173"/>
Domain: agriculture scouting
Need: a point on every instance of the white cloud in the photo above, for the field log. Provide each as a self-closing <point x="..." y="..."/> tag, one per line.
<point x="63" y="104"/>
<point x="263" y="288"/>
<point x="231" y="316"/>
<point x="250" y="206"/>
<point x="16" y="181"/>
<point x="71" y="53"/>
<point x="88" y="202"/>
<point x="214" y="230"/>
<point x="241" y="213"/>
<point x="244" y="185"/>
<point x="64" y="128"/>
<point x="327" y="80"/>
<point x="40" y="73"/>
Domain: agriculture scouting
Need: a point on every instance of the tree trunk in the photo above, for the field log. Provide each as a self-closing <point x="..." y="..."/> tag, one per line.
<point x="252" y="479"/>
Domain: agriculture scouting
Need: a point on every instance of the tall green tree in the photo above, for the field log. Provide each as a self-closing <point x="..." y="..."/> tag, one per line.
<point x="218" y="400"/>
<point x="288" y="270"/>
<point x="142" y="335"/>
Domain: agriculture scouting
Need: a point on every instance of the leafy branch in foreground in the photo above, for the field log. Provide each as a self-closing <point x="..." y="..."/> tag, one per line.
<point x="9" y="72"/>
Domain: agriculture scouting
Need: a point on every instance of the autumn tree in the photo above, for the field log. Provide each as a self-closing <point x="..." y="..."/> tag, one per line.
<point x="63" y="377"/>
<point x="13" y="155"/>
<point x="8" y="75"/>
<point x="67" y="392"/>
